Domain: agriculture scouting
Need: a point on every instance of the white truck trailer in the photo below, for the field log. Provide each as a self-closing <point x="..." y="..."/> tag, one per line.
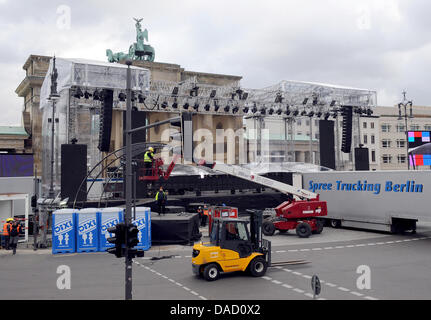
<point x="390" y="201"/>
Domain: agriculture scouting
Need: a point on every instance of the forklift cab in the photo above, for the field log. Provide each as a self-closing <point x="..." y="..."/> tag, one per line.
<point x="232" y="234"/>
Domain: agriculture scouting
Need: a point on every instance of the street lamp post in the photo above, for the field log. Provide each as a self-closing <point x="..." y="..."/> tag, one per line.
<point x="403" y="105"/>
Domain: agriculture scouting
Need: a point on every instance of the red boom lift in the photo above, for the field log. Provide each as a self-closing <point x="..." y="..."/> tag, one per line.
<point x="301" y="215"/>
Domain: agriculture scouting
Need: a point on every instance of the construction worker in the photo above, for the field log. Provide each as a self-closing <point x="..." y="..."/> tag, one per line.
<point x="161" y="198"/>
<point x="14" y="231"/>
<point x="148" y="161"/>
<point x="205" y="212"/>
<point x="6" y="234"/>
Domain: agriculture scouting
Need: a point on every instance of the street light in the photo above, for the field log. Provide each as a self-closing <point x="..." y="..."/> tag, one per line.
<point x="404" y="105"/>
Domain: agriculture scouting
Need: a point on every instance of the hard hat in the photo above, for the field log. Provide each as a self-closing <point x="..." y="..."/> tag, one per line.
<point x="9" y="219"/>
<point x="151" y="149"/>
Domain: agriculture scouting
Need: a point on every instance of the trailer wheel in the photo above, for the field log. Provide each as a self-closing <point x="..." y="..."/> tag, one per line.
<point x="319" y="225"/>
<point x="211" y="272"/>
<point x="303" y="230"/>
<point x="268" y="228"/>
<point x="335" y="223"/>
<point x="258" y="267"/>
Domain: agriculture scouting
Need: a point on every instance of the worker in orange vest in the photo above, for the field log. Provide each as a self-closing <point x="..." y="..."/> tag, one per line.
<point x="204" y="216"/>
<point x="14" y="231"/>
<point x="6" y="234"/>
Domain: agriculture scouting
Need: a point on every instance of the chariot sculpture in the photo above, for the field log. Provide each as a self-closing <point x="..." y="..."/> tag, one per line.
<point x="138" y="50"/>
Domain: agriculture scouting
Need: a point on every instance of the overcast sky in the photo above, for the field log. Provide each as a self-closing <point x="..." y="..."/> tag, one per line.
<point x="383" y="45"/>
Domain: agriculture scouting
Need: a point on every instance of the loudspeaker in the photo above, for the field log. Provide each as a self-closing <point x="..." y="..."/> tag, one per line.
<point x="327" y="145"/>
<point x="73" y="171"/>
<point x="106" y="120"/>
<point x="346" y="142"/>
<point x="362" y="161"/>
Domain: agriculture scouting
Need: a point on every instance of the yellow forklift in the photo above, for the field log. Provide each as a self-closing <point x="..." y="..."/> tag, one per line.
<point x="233" y="247"/>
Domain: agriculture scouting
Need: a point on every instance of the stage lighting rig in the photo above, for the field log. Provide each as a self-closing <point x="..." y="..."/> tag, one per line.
<point x="207" y="107"/>
<point x="122" y="96"/>
<point x="164" y="105"/>
<point x="216" y="105"/>
<point x="78" y="93"/>
<point x="175" y="91"/>
<point x="326" y="116"/>
<point x="254" y="109"/>
<point x="194" y="91"/>
<point x="245" y="109"/>
<point x="279" y="111"/>
<point x="305" y="101"/>
<point x="175" y="104"/>
<point x="213" y="94"/>
<point x="271" y="111"/>
<point x="186" y="106"/>
<point x="295" y="112"/>
<point x="141" y="98"/>
<point x="303" y="113"/>
<point x="319" y="114"/>
<point x="196" y="106"/>
<point x="227" y="108"/>
<point x="262" y="110"/>
<point x="311" y="114"/>
<point x="278" y="98"/>
<point x="96" y="95"/>
<point x="235" y="109"/>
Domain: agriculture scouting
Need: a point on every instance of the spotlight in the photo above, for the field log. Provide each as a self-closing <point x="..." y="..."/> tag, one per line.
<point x="164" y="105"/>
<point x="196" y="106"/>
<point x="296" y="112"/>
<point x="122" y="96"/>
<point x="244" y="96"/>
<point x="314" y="101"/>
<point x="141" y="98"/>
<point x="332" y="103"/>
<point x="175" y="105"/>
<point x="279" y="111"/>
<point x="287" y="112"/>
<point x="334" y="115"/>
<point x="303" y="113"/>
<point x="132" y="96"/>
<point x="194" y="91"/>
<point x="207" y="107"/>
<point x="96" y="95"/>
<point x="175" y="91"/>
<point x="213" y="93"/>
<point x="216" y="106"/>
<point x="262" y="110"/>
<point x="245" y="109"/>
<point x="369" y="112"/>
<point x="278" y="98"/>
<point x="78" y="93"/>
<point x="319" y="114"/>
<point x="270" y="111"/>
<point x="227" y="108"/>
<point x="305" y="101"/>
<point x="235" y="110"/>
<point x="87" y="94"/>
<point x="311" y="113"/>
<point x="327" y="114"/>
<point x="254" y="109"/>
<point x="186" y="105"/>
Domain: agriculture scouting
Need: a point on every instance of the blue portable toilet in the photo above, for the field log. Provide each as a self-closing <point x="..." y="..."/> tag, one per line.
<point x="143" y="222"/>
<point x="108" y="217"/>
<point x="63" y="231"/>
<point x="87" y="236"/>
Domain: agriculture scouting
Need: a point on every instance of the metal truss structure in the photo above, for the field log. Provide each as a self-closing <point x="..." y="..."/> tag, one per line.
<point x="284" y="99"/>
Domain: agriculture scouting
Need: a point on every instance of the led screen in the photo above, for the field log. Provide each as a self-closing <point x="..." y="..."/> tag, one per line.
<point x="419" y="148"/>
<point x="16" y="165"/>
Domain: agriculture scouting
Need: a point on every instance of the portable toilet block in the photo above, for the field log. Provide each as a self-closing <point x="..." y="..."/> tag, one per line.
<point x="87" y="236"/>
<point x="108" y="217"/>
<point x="143" y="222"/>
<point x="63" y="231"/>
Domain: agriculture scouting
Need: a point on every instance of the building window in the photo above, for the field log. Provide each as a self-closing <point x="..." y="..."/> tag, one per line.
<point x="307" y="122"/>
<point x="365" y="138"/>
<point x="386" y="143"/>
<point x="316" y="136"/>
<point x="316" y="123"/>
<point x="364" y="125"/>
<point x="298" y="122"/>
<point x="401" y="158"/>
<point x="414" y="127"/>
<point x="373" y="139"/>
<point x="387" y="158"/>
<point x="401" y="128"/>
<point x="401" y="143"/>
<point x="372" y="125"/>
<point x="386" y="128"/>
<point x="373" y="155"/>
<point x="427" y="127"/>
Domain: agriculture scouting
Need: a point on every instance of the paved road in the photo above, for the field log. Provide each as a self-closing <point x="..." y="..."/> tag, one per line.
<point x="400" y="268"/>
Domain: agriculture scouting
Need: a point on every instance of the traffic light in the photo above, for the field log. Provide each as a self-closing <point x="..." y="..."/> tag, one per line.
<point x="118" y="240"/>
<point x="182" y="135"/>
<point x="132" y="235"/>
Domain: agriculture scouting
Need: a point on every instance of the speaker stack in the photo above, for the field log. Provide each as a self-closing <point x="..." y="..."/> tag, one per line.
<point x="106" y="120"/>
<point x="346" y="142"/>
<point x="73" y="171"/>
<point x="327" y="145"/>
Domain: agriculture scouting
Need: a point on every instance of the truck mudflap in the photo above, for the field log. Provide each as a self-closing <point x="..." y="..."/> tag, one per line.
<point x="195" y="269"/>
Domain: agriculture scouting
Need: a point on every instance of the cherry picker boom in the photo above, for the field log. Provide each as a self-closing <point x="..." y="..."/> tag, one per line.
<point x="301" y="215"/>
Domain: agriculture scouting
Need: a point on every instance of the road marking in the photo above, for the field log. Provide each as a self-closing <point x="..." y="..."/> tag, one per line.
<point x="287" y="286"/>
<point x="356" y="293"/>
<point x="171" y="280"/>
<point x="298" y="290"/>
<point x="370" y="298"/>
<point x="276" y="281"/>
<point x="343" y="289"/>
<point x="331" y="284"/>
<point x="267" y="278"/>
